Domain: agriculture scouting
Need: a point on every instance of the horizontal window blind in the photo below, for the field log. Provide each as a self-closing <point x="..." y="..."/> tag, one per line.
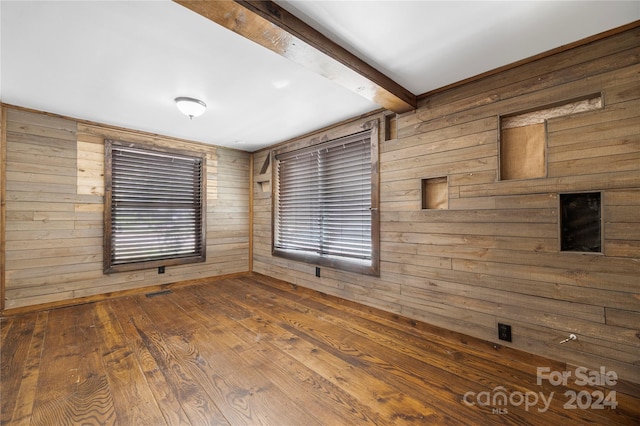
<point x="156" y="206"/>
<point x="324" y="199"/>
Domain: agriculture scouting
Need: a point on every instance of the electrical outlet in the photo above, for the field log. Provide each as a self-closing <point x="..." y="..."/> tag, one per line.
<point x="317" y="271"/>
<point x="504" y="332"/>
<point x="161" y="269"/>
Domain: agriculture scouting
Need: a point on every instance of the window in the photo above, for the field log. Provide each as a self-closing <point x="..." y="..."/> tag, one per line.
<point x="326" y="203"/>
<point x="154" y="207"/>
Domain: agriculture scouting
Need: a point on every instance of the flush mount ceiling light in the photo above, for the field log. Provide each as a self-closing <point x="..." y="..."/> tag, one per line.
<point x="190" y="107"/>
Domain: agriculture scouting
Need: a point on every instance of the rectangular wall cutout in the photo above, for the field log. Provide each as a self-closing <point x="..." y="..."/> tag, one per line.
<point x="581" y="222"/>
<point x="523" y="138"/>
<point x="522" y="152"/>
<point x="435" y="193"/>
<point x="390" y="127"/>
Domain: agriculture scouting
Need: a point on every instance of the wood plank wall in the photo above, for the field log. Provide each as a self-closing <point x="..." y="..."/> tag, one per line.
<point x="54" y="211"/>
<point x="493" y="256"/>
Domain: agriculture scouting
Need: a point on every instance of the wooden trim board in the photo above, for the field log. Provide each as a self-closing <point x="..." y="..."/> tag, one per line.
<point x="3" y="197"/>
<point x="274" y="28"/>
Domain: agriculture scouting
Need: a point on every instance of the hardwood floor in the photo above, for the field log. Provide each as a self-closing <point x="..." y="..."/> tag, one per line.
<point x="253" y="350"/>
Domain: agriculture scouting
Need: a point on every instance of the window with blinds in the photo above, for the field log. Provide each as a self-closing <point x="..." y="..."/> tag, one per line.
<point x="154" y="208"/>
<point x="324" y="211"/>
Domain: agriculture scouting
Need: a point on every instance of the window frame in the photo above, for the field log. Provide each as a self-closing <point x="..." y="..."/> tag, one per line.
<point x="335" y="262"/>
<point x="199" y="256"/>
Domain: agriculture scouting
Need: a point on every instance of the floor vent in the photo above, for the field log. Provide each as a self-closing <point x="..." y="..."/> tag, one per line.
<point x="158" y="293"/>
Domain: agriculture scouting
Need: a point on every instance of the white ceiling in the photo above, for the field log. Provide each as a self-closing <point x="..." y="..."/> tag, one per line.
<point x="123" y="62"/>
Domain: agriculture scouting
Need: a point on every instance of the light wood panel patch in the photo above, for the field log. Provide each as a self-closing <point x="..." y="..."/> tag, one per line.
<point x="540" y="116"/>
<point x="90" y="177"/>
<point x="522" y="152"/>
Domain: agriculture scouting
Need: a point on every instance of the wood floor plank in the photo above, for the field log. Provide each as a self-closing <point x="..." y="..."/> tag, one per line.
<point x="255" y="350"/>
<point x="126" y="381"/>
<point x="392" y="406"/>
<point x="407" y="375"/>
<point x="25" y="396"/>
<point x="17" y="335"/>
<point x="307" y="387"/>
<point x="396" y="406"/>
<point x="5" y="325"/>
<point x="72" y="384"/>
<point x="309" y="390"/>
<point x="194" y="401"/>
<point x="156" y="377"/>
<point x="249" y="398"/>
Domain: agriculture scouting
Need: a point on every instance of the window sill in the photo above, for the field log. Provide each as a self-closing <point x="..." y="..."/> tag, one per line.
<point x="364" y="267"/>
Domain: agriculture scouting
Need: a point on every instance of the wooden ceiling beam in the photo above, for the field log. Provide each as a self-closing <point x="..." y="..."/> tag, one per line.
<point x="269" y="25"/>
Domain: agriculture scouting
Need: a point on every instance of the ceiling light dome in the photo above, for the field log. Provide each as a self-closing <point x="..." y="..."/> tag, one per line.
<point x="190" y="107"/>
